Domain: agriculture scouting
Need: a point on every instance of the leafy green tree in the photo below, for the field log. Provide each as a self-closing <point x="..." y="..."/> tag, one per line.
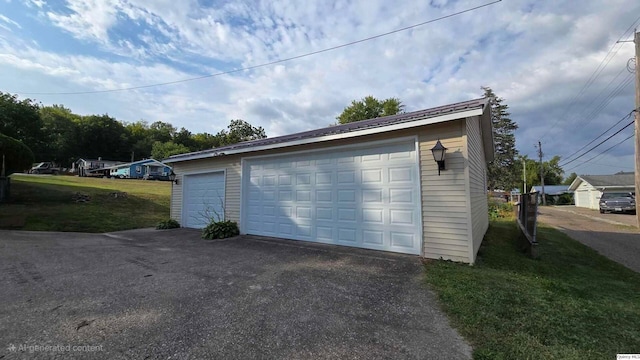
<point x="20" y="120"/>
<point x="369" y="108"/>
<point x="570" y="179"/>
<point x="102" y="136"/>
<point x="184" y="137"/>
<point x="140" y="139"/>
<point x="17" y="156"/>
<point x="553" y="173"/>
<point x="203" y="141"/>
<point x="161" y="131"/>
<point x="239" y="131"/>
<point x="60" y="128"/>
<point x="503" y="173"/>
<point x="162" y="150"/>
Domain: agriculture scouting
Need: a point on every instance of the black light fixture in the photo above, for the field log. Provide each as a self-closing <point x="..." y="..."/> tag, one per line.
<point x="172" y="177"/>
<point x="439" y="152"/>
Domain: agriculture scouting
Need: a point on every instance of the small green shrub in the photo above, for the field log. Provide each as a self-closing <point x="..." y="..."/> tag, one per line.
<point x="220" y="230"/>
<point x="168" y="224"/>
<point x="500" y="209"/>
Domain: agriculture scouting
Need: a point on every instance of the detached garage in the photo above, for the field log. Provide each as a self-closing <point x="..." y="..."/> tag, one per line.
<point x="371" y="184"/>
<point x="588" y="189"/>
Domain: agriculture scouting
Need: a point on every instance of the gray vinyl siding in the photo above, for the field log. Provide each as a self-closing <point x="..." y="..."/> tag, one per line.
<point x="477" y="184"/>
<point x="230" y="164"/>
<point x="444" y="197"/>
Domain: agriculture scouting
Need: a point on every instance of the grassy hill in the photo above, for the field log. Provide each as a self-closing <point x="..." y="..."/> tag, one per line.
<point x="70" y="203"/>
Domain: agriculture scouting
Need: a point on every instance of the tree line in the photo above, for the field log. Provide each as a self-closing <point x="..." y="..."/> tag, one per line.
<point x="55" y="133"/>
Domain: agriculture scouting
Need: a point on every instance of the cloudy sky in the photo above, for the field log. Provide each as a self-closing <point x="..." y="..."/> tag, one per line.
<point x="555" y="63"/>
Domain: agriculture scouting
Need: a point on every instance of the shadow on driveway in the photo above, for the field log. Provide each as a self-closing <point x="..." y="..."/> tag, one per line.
<point x="160" y="294"/>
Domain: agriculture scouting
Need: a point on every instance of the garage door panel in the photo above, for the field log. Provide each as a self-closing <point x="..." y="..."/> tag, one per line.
<point x="401" y="195"/>
<point x="324" y="213"/>
<point x="285" y="195"/>
<point x="400" y="175"/>
<point x="401" y="217"/>
<point x="403" y="240"/>
<point x="346" y="196"/>
<point x="346" y="177"/>
<point x="371" y="176"/>
<point x="373" y="237"/>
<point x="324" y="196"/>
<point x="347" y="214"/>
<point x="364" y="198"/>
<point x="303" y="179"/>
<point x="373" y="196"/>
<point x="347" y="234"/>
<point x="325" y="233"/>
<point x="283" y="180"/>
<point x="373" y="216"/>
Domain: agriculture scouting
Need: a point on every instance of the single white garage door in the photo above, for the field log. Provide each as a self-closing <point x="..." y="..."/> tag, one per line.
<point x="203" y="199"/>
<point x="366" y="197"/>
<point x="582" y="198"/>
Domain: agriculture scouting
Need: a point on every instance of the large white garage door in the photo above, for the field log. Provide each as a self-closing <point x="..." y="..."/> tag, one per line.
<point x="203" y="199"/>
<point x="366" y="197"/>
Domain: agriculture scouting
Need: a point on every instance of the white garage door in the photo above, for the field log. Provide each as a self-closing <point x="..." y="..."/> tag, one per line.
<point x="203" y="199"/>
<point x="367" y="197"/>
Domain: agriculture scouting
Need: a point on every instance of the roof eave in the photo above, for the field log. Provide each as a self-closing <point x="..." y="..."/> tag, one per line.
<point x="347" y="135"/>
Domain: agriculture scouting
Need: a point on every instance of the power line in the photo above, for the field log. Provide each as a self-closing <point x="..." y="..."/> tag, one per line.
<point x="268" y="63"/>
<point x="602" y="153"/>
<point x="601" y="135"/>
<point x="600" y="143"/>
<point x="596" y="73"/>
<point x="603" y="104"/>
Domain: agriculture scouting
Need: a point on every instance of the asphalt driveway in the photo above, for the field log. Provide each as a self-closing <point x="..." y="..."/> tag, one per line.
<point x="168" y="294"/>
<point x="606" y="234"/>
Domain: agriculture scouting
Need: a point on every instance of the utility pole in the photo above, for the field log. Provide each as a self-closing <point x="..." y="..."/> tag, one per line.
<point x="636" y="40"/>
<point x="544" y="200"/>
<point x="524" y="174"/>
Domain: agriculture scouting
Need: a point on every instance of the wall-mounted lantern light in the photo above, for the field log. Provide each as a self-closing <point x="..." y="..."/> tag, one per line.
<point x="172" y="177"/>
<point x="439" y="152"/>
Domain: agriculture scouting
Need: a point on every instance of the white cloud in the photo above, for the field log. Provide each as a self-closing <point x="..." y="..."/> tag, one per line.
<point x="535" y="55"/>
<point x="6" y="20"/>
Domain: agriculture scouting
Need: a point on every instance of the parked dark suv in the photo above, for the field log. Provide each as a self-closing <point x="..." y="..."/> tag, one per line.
<point x="618" y="202"/>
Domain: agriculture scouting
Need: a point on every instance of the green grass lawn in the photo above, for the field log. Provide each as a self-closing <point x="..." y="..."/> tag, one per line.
<point x="569" y="303"/>
<point x="47" y="203"/>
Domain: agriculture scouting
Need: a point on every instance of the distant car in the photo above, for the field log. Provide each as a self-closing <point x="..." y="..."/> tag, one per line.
<point x="46" y="167"/>
<point x="618" y="202"/>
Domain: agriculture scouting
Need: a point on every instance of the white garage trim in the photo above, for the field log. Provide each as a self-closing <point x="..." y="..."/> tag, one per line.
<point x="386" y="210"/>
<point x="187" y="176"/>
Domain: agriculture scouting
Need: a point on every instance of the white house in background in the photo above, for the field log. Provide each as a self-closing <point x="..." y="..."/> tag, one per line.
<point x="93" y="167"/>
<point x="589" y="188"/>
<point x="371" y="184"/>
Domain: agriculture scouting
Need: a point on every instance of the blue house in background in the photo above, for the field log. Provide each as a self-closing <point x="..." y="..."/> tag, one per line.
<point x="149" y="169"/>
<point x="553" y="194"/>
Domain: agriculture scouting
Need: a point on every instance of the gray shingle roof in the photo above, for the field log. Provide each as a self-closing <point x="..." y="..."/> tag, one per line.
<point x="346" y="128"/>
<point x="626" y="179"/>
